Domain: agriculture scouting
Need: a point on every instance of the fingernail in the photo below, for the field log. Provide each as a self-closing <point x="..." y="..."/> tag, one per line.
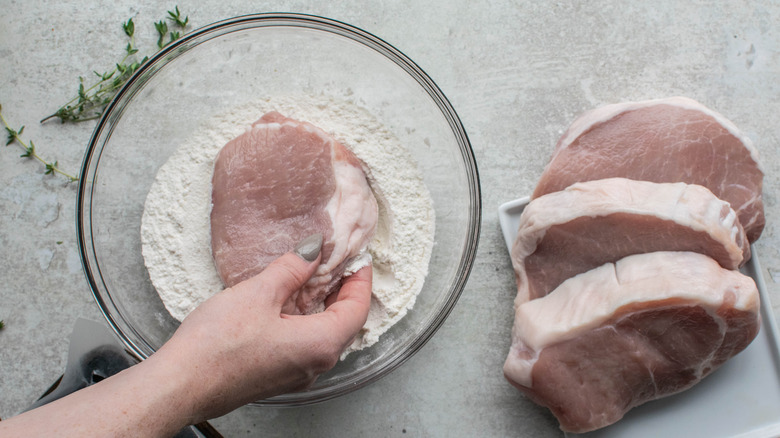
<point x="309" y="247"/>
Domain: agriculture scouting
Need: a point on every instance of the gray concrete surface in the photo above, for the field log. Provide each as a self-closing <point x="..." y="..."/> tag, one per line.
<point x="517" y="72"/>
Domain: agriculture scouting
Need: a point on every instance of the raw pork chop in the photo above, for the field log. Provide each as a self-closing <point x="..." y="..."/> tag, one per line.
<point x="278" y="183"/>
<point x="565" y="233"/>
<point x="622" y="334"/>
<point x="666" y="140"/>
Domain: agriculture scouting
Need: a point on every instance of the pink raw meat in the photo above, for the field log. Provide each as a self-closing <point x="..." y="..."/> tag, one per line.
<point x="623" y="334"/>
<point x="665" y="140"/>
<point x="565" y="233"/>
<point x="278" y="183"/>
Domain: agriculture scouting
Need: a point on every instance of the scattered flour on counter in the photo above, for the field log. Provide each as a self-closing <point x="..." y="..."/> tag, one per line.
<point x="175" y="228"/>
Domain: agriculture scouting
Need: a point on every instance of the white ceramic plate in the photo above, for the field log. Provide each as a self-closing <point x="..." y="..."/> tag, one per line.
<point x="740" y="399"/>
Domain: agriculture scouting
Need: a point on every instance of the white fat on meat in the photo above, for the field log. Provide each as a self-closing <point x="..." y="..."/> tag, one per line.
<point x="279" y="182"/>
<point x="565" y="233"/>
<point x="662" y="140"/>
<point x="625" y="333"/>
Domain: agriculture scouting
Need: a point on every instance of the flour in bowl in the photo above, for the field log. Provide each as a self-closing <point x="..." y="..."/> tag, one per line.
<point x="175" y="229"/>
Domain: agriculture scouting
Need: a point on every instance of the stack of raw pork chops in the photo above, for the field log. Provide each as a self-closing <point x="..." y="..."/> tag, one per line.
<point x="626" y="260"/>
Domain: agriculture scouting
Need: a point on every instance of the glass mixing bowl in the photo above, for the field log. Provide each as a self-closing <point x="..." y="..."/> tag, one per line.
<point x="229" y="63"/>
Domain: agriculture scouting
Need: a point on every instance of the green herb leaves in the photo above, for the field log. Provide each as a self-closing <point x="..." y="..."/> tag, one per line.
<point x="14" y="136"/>
<point x="28" y="150"/>
<point x="176" y="17"/>
<point x="129" y="28"/>
<point x="91" y="100"/>
<point x="162" y="29"/>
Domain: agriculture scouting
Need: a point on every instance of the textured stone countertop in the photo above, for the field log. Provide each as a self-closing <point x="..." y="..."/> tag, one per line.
<point x="517" y="73"/>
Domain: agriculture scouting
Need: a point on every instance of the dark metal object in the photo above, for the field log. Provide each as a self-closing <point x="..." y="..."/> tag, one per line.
<point x="94" y="355"/>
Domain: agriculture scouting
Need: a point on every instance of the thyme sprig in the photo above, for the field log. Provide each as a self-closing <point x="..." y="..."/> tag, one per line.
<point x="14" y="136"/>
<point x="175" y="15"/>
<point x="91" y="100"/>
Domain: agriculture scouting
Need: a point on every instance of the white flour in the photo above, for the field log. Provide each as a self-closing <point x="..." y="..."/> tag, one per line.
<point x="175" y="229"/>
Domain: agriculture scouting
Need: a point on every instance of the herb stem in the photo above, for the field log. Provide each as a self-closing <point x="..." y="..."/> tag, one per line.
<point x="104" y="78"/>
<point x="30" y="152"/>
<point x="90" y="101"/>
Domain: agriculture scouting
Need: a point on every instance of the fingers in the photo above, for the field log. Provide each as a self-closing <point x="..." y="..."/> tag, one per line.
<point x="285" y="275"/>
<point x="350" y="310"/>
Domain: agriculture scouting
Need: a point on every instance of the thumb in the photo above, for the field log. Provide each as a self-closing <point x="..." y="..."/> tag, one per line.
<point x="285" y="275"/>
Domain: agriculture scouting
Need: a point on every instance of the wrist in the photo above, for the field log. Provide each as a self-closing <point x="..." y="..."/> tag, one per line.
<point x="168" y="390"/>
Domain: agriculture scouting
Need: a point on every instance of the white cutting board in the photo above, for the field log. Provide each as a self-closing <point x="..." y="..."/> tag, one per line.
<point x="740" y="399"/>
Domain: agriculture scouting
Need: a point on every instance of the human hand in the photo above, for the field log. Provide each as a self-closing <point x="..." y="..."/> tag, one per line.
<point x="237" y="347"/>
